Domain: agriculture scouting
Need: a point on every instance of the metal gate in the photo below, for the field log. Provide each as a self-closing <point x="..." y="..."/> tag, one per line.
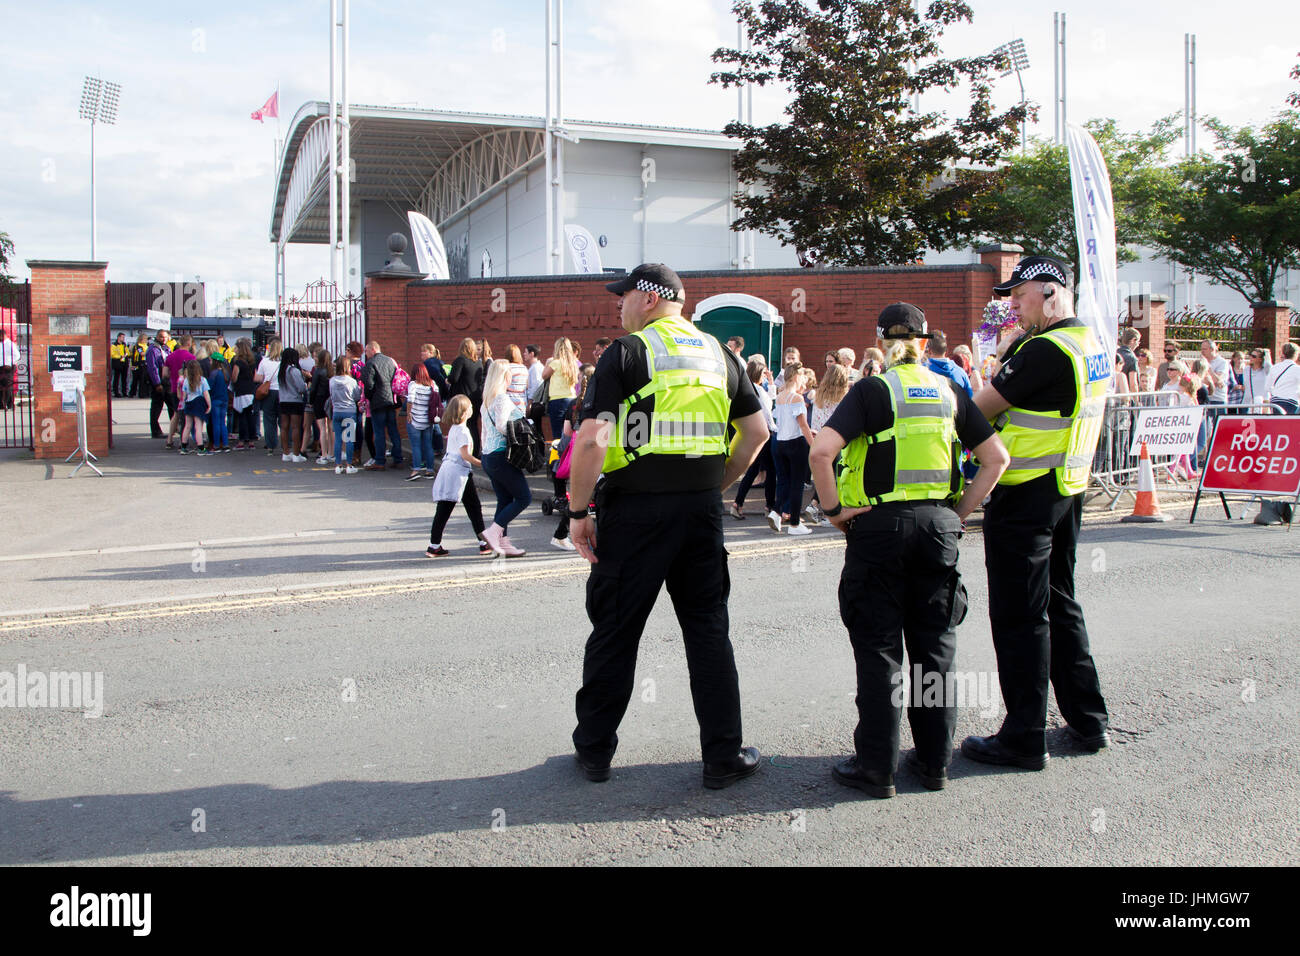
<point x="16" y="385"/>
<point x="322" y="315"/>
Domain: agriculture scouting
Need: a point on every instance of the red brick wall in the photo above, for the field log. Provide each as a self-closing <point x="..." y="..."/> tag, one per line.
<point x="69" y="288"/>
<point x="839" y="308"/>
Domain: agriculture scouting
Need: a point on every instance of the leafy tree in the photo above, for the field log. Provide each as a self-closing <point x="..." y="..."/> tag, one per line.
<point x="6" y="255"/>
<point x="1033" y="203"/>
<point x="1237" y="216"/>
<point x="856" y="176"/>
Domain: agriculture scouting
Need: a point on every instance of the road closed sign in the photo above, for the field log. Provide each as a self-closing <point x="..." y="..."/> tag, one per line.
<point x="1255" y="454"/>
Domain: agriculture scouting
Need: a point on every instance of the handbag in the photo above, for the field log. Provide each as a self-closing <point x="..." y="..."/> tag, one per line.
<point x="537" y="401"/>
<point x="566" y="462"/>
<point x="525" y="448"/>
<point x="263" y="390"/>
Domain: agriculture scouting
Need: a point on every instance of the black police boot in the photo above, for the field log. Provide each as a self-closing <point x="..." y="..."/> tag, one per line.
<point x="1089" y="742"/>
<point x="850" y="773"/>
<point x="724" y="774"/>
<point x="992" y="750"/>
<point x="595" y="772"/>
<point x="933" y="777"/>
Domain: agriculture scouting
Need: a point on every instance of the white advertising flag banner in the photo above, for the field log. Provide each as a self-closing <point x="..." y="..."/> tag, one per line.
<point x="1167" y="431"/>
<point x="583" y="250"/>
<point x="430" y="253"/>
<point x="1094" y="226"/>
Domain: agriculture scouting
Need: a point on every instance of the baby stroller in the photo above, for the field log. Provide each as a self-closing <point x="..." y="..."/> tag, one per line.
<point x="551" y="502"/>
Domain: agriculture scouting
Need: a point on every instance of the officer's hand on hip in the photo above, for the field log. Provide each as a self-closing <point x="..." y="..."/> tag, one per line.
<point x="846" y="516"/>
<point x="582" y="532"/>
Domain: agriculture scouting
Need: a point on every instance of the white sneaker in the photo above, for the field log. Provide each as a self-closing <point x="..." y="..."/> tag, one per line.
<point x="338" y="469"/>
<point x="322" y="460"/>
<point x="798" y="529"/>
<point x="813" y="514"/>
<point x="368" y="463"/>
<point x="350" y="470"/>
<point x="564" y="544"/>
<point x="286" y="457"/>
<point x="774" y="520"/>
<point x="298" y="458"/>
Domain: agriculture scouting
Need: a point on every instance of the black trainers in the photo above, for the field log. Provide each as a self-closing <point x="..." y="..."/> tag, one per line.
<point x="438" y="552"/>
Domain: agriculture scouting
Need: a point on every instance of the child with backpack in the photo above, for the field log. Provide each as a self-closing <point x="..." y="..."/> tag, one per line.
<point x="455" y="481"/>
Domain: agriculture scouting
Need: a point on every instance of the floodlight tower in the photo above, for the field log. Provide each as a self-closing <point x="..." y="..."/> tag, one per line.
<point x="1018" y="60"/>
<point x="98" y="105"/>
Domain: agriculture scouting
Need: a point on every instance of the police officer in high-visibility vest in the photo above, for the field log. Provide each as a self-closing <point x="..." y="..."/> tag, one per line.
<point x="136" y="357"/>
<point x="654" y="421"/>
<point x="900" y="502"/>
<point x="1048" y="402"/>
<point x="117" y="354"/>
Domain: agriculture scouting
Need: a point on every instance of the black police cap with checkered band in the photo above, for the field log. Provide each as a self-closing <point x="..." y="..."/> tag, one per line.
<point x="1042" y="268"/>
<point x="651" y="277"/>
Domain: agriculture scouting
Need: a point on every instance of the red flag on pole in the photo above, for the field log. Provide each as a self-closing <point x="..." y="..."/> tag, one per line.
<point x="270" y="109"/>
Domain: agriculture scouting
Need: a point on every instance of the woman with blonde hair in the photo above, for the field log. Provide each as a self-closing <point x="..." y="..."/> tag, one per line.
<point x="562" y="373"/>
<point x="900" y="588"/>
<point x="508" y="482"/>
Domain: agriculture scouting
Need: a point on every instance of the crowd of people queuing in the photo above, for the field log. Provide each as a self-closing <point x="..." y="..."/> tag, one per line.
<point x="306" y="404"/>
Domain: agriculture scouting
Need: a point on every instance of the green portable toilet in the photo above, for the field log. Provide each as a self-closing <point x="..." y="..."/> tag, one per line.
<point x="753" y="319"/>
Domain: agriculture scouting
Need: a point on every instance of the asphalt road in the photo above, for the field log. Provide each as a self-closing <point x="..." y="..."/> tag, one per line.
<point x="427" y="720"/>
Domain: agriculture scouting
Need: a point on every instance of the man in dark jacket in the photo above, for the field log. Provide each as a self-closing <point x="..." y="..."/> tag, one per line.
<point x="159" y="392"/>
<point x="377" y="380"/>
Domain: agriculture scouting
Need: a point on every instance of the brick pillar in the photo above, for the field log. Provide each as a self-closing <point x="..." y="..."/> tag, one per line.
<point x="1273" y="323"/>
<point x="386" y="312"/>
<point x="1146" y="313"/>
<point x="74" y="289"/>
<point x="1002" y="256"/>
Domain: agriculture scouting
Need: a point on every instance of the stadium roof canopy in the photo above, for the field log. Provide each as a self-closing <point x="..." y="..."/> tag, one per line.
<point x="430" y="160"/>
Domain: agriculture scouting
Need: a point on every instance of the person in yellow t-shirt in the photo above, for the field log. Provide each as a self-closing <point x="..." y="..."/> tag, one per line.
<point x="562" y="373"/>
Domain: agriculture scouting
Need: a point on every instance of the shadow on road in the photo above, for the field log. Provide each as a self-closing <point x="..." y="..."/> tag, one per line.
<point x="342" y="812"/>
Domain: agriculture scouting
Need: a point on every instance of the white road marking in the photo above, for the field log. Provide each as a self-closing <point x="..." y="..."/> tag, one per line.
<point x="171" y="546"/>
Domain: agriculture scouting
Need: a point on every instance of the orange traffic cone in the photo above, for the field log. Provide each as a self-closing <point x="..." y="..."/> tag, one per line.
<point x="1147" y="506"/>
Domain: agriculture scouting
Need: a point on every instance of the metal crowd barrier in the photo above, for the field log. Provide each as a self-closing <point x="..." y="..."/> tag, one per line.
<point x="1115" y="465"/>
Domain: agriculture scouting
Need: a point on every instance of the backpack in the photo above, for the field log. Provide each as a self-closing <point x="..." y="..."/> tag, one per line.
<point x="401" y="381"/>
<point x="525" y="448"/>
<point x="435" y="406"/>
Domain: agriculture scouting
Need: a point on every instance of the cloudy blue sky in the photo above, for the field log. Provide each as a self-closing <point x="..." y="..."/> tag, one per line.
<point x="185" y="177"/>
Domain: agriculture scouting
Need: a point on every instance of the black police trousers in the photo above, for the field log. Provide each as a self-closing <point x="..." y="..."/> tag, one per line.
<point x="900" y="586"/>
<point x="1031" y="533"/>
<point x="644" y="541"/>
